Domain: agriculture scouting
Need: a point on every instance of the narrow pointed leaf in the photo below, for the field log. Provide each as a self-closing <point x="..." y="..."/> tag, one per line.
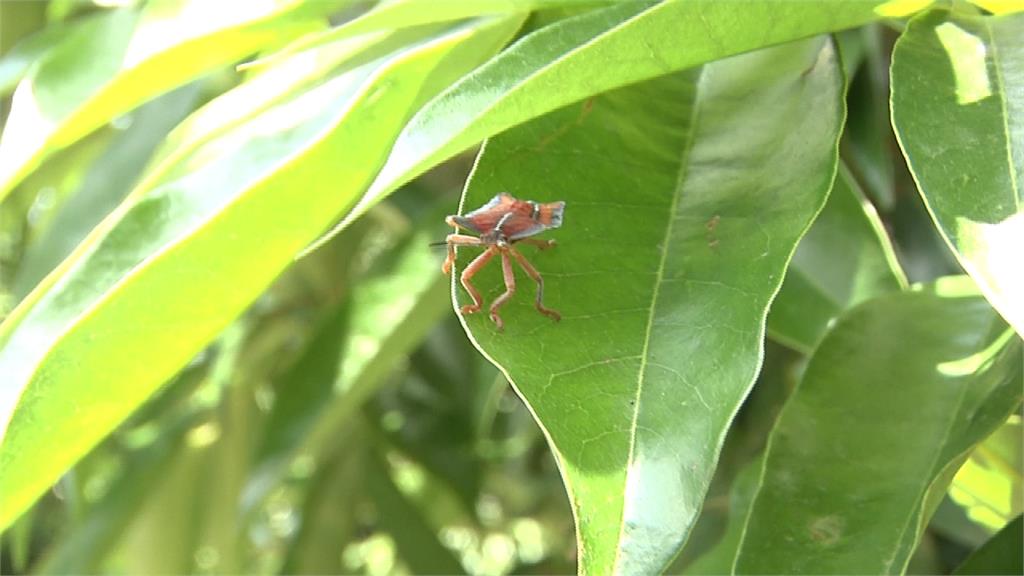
<point x="84" y="549"/>
<point x="179" y="260"/>
<point x="588" y="54"/>
<point x="108" y="180"/>
<point x="686" y="197"/>
<point x="396" y="14"/>
<point x="111" y="63"/>
<point x="958" y="111"/>
<point x="844" y="259"/>
<point x="893" y="399"/>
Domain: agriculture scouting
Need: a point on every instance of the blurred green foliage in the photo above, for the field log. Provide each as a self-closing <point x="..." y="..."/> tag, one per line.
<point x="760" y="367"/>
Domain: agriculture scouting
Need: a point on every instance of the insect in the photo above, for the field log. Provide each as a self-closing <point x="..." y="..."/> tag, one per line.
<point x="501" y="224"/>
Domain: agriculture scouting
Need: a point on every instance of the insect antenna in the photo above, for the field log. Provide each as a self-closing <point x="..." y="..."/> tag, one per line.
<point x="441" y="243"/>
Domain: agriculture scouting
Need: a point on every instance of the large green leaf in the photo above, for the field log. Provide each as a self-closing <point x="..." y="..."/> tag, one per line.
<point x="111" y="63"/>
<point x="397" y="14"/>
<point x="591" y="53"/>
<point x="84" y="548"/>
<point x="686" y="197"/>
<point x="183" y="256"/>
<point x="893" y="399"/>
<point x="844" y="259"/>
<point x="108" y="180"/>
<point x="958" y="111"/>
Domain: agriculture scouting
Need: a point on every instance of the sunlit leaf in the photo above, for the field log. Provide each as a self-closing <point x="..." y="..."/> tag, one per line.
<point x="107" y="182"/>
<point x="588" y="54"/>
<point x="958" y="111"/>
<point x="184" y="256"/>
<point x="895" y="394"/>
<point x="397" y="14"/>
<point x="111" y="63"/>
<point x="83" y="550"/>
<point x="686" y="197"/>
<point x="989" y="484"/>
<point x="1000" y="6"/>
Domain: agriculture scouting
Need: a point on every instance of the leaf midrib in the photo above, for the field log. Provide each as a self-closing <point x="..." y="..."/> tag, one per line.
<point x="649" y="328"/>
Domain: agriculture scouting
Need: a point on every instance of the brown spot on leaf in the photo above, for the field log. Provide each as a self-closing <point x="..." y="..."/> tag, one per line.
<point x="826" y="530"/>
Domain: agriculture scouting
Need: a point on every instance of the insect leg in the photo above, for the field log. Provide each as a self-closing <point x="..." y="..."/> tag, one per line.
<point x="468" y="274"/>
<point x="454" y="240"/>
<point x="510" y="289"/>
<point x="532" y="272"/>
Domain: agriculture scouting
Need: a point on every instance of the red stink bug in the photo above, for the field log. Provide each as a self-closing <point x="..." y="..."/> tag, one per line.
<point x="502" y="223"/>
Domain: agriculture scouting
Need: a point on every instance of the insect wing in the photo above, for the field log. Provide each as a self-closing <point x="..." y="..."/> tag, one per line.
<point x="540" y="217"/>
<point x="485" y="218"/>
<point x="517" y="219"/>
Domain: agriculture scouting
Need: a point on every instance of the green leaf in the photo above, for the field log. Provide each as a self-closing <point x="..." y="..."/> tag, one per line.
<point x="85" y="547"/>
<point x="686" y="197"/>
<point x="844" y="259"/>
<point x="108" y="180"/>
<point x="18" y="61"/>
<point x="589" y="54"/>
<point x="894" y="397"/>
<point x="1003" y="554"/>
<point x="719" y="559"/>
<point x="111" y="63"/>
<point x="185" y="255"/>
<point x="397" y="14"/>
<point x="958" y="111"/>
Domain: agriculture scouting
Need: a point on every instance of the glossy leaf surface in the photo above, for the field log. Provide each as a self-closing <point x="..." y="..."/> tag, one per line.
<point x="184" y="256"/>
<point x="958" y="111"/>
<point x="894" y="397"/>
<point x="844" y="259"/>
<point x="685" y="197"/>
<point x="105" y="185"/>
<point x="111" y="63"/>
<point x="588" y="54"/>
<point x="398" y="14"/>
